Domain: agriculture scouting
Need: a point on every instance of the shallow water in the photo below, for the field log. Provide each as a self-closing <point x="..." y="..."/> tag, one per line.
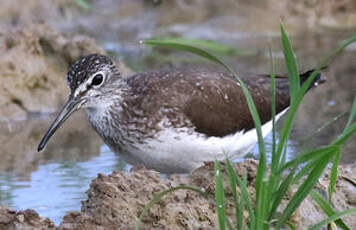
<point x="54" y="181"/>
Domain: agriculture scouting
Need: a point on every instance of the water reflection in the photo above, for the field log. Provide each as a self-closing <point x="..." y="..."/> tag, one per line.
<point x="57" y="188"/>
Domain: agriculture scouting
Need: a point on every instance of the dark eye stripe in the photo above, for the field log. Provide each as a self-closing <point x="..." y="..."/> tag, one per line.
<point x="97" y="79"/>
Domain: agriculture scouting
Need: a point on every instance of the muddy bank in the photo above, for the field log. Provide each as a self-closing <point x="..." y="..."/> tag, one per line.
<point x="33" y="68"/>
<point x="25" y="220"/>
<point x="116" y="200"/>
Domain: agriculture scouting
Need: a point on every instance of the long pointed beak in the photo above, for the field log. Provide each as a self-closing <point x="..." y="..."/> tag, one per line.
<point x="70" y="107"/>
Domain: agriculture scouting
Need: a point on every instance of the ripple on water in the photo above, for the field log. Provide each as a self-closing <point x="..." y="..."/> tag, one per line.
<point x="57" y="188"/>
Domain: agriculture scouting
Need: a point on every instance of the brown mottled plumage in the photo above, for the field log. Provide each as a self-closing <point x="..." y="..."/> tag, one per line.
<point x="170" y="120"/>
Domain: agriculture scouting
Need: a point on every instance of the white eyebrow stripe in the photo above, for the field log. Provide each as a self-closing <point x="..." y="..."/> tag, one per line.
<point x="81" y="89"/>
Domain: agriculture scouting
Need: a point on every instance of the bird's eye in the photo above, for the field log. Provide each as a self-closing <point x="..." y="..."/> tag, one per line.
<point x="97" y="79"/>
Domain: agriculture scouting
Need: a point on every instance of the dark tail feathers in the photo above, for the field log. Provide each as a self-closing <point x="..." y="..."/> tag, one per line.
<point x="317" y="80"/>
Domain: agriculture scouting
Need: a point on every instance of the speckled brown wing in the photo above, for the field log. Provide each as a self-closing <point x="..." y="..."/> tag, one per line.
<point x="209" y="101"/>
<point x="223" y="110"/>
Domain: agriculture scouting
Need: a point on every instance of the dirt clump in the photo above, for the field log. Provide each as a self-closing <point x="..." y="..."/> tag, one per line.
<point x="33" y="68"/>
<point x="25" y="220"/>
<point x="115" y="201"/>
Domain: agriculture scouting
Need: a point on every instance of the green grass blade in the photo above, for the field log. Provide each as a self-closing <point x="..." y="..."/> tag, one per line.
<point x="215" y="47"/>
<point x="219" y="196"/>
<point x="185" y="47"/>
<point x="262" y="207"/>
<point x="245" y="196"/>
<point x="274" y="179"/>
<point x="293" y="73"/>
<point x="327" y="209"/>
<point x="334" y="174"/>
<point x="332" y="218"/>
<point x="306" y="169"/>
<point x="336" y="51"/>
<point x="232" y="175"/>
<point x="83" y="4"/>
<point x="281" y="192"/>
<point x="293" y="109"/>
<point x="320" y="152"/>
<point x="352" y="114"/>
<point x="229" y="225"/>
<point x="304" y="189"/>
<point x="346" y="134"/>
<point x="156" y="198"/>
<point x="291" y="226"/>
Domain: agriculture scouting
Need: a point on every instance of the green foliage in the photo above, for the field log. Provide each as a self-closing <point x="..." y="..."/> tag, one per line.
<point x="211" y="46"/>
<point x="83" y="4"/>
<point x="219" y="196"/>
<point x="272" y="186"/>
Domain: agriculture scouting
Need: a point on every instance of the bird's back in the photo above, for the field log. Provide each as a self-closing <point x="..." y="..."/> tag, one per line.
<point x="211" y="102"/>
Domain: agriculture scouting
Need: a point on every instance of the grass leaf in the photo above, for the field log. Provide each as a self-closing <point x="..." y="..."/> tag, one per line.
<point x="219" y="195"/>
<point x="304" y="189"/>
<point x="293" y="74"/>
<point x="215" y="47"/>
<point x="352" y="114"/>
<point x="334" y="174"/>
<point x="232" y="178"/>
<point x="332" y="218"/>
<point x="326" y="207"/>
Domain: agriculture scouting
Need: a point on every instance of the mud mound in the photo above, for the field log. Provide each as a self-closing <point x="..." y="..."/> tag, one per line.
<point x="33" y="68"/>
<point x="115" y="202"/>
<point x="28" y="219"/>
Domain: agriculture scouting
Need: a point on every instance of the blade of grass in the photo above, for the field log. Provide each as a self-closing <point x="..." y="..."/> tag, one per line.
<point x="336" y="51"/>
<point x="320" y="152"/>
<point x="245" y="196"/>
<point x="304" y="189"/>
<point x="187" y="48"/>
<point x="278" y="196"/>
<point x="326" y="207"/>
<point x="332" y="218"/>
<point x="292" y="110"/>
<point x="219" y="196"/>
<point x="83" y="4"/>
<point x="274" y="180"/>
<point x="216" y="47"/>
<point x="232" y="175"/>
<point x="333" y="174"/>
<point x="159" y="196"/>
<point x="346" y="134"/>
<point x="293" y="74"/>
<point x="261" y="207"/>
<point x="352" y="114"/>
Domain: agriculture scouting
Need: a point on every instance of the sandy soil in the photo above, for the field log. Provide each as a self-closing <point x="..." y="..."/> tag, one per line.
<point x="116" y="200"/>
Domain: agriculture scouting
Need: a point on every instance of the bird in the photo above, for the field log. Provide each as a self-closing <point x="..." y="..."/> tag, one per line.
<point x="171" y="120"/>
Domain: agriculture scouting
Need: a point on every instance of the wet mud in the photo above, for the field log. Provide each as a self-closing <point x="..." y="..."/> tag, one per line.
<point x="115" y="201"/>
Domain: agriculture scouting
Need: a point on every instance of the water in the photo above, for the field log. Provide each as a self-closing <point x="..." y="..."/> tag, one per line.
<point x="54" y="181"/>
<point x="56" y="188"/>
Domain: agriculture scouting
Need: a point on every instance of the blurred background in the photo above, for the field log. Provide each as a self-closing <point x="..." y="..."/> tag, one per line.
<point x="39" y="39"/>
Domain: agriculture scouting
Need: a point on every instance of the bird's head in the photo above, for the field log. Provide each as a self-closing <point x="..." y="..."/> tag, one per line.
<point x="90" y="79"/>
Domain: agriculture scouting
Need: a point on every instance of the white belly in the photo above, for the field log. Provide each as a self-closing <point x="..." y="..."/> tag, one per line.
<point x="174" y="150"/>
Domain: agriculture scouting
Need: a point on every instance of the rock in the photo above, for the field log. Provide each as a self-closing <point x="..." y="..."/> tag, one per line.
<point x="24" y="220"/>
<point x="33" y="68"/>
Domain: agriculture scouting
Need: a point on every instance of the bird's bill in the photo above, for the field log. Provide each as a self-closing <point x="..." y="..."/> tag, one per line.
<point x="70" y="107"/>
